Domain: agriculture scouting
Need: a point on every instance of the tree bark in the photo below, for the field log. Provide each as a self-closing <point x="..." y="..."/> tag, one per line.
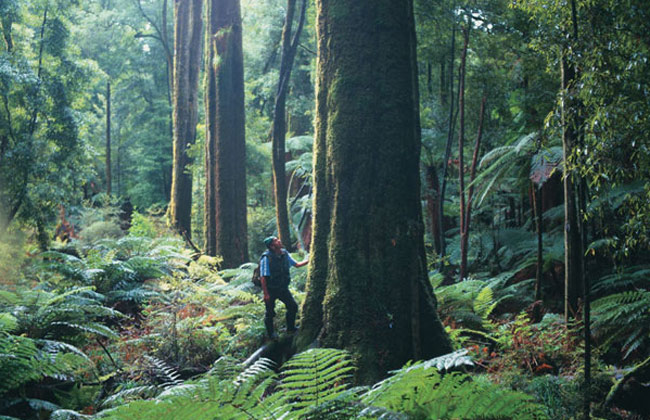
<point x="433" y="195"/>
<point x="279" y="128"/>
<point x="461" y="160"/>
<point x="573" y="253"/>
<point x="368" y="289"/>
<point x="470" y="195"/>
<point x="450" y="136"/>
<point x="225" y="157"/>
<point x="188" y="26"/>
<point x="537" y="208"/>
<point x="109" y="178"/>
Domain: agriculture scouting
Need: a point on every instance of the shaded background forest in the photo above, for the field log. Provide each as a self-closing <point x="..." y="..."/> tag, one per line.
<point x="535" y="195"/>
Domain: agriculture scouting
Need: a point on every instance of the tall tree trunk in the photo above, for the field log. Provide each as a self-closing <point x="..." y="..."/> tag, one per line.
<point x="368" y="290"/>
<point x="573" y="253"/>
<point x="450" y="137"/>
<point x="537" y="209"/>
<point x="289" y="47"/>
<point x="118" y="164"/>
<point x="464" y="236"/>
<point x="461" y="159"/>
<point x="109" y="177"/>
<point x="225" y="155"/>
<point x="188" y="26"/>
<point x="7" y="22"/>
<point x="432" y="197"/>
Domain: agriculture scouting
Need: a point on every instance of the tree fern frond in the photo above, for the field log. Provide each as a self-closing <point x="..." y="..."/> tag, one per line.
<point x="261" y="367"/>
<point x="313" y="377"/>
<point x="449" y="361"/>
<point x="8" y="323"/>
<point x="67" y="415"/>
<point x="167" y="372"/>
<point x="91" y="327"/>
<point x="137" y="392"/>
<point x="623" y="317"/>
<point x="420" y="390"/>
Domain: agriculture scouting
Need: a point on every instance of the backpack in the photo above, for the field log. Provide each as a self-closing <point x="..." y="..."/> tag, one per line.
<point x="257" y="279"/>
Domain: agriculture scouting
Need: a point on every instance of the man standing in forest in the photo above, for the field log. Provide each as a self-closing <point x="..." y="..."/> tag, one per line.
<point x="275" y="278"/>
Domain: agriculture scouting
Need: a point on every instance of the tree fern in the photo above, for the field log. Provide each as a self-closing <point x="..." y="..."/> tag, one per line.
<point x="422" y="392"/>
<point x="314" y="377"/>
<point x="623" y="317"/>
<point x="24" y="360"/>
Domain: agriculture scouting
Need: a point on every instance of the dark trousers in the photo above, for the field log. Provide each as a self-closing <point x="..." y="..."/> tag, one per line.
<point x="284" y="296"/>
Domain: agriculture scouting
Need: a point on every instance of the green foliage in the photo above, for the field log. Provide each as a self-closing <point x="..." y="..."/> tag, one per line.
<point x="141" y="226"/>
<point x="314" y="377"/>
<point x="42" y="156"/>
<point x="37" y="333"/>
<point x="421" y="391"/>
<point x="623" y="318"/>
<point x="58" y="314"/>
<point x="24" y="360"/>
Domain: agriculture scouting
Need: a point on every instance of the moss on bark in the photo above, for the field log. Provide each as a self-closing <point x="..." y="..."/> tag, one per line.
<point x="368" y="289"/>
<point x="188" y="26"/>
<point x="225" y="198"/>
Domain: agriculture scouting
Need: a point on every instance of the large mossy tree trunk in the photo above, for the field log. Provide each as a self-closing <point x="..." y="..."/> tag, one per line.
<point x="225" y="154"/>
<point x="368" y="289"/>
<point x="188" y="25"/>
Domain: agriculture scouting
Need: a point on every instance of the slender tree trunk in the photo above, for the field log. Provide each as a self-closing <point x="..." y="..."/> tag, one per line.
<point x="188" y="26"/>
<point x="572" y="235"/>
<point x="470" y="195"/>
<point x="573" y="135"/>
<point x="7" y="23"/>
<point x="118" y="165"/>
<point x="109" y="178"/>
<point x="461" y="159"/>
<point x="450" y="137"/>
<point x="289" y="48"/>
<point x="20" y="195"/>
<point x="443" y="86"/>
<point x="225" y="195"/>
<point x="433" y="195"/>
<point x="368" y="289"/>
<point x="537" y="209"/>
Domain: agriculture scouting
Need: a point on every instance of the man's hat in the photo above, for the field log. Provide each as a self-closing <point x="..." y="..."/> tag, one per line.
<point x="268" y="241"/>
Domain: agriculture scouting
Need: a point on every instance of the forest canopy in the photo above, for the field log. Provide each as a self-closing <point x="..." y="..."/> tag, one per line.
<point x="450" y="199"/>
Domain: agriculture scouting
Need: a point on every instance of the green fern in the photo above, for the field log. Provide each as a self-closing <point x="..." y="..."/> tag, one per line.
<point x="627" y="278"/>
<point x="24" y="360"/>
<point x="314" y="377"/>
<point x="422" y="392"/>
<point x="625" y="318"/>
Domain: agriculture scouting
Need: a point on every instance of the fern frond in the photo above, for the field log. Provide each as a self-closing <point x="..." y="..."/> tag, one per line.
<point x="421" y="391"/>
<point x="167" y="372"/>
<point x="449" y="361"/>
<point x="623" y="317"/>
<point x="314" y="377"/>
<point x="128" y="394"/>
<point x="68" y="415"/>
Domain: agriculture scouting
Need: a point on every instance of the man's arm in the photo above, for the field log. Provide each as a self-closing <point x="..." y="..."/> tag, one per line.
<point x="302" y="263"/>
<point x="265" y="274"/>
<point x="293" y="262"/>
